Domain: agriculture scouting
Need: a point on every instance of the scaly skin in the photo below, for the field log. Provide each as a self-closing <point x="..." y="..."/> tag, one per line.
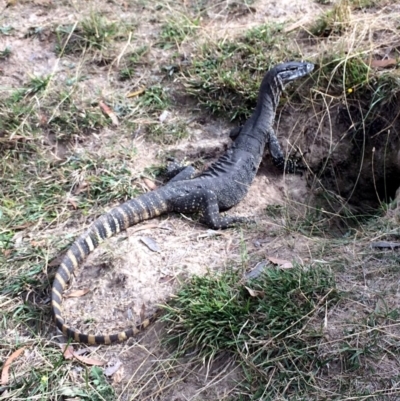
<point x="218" y="188"/>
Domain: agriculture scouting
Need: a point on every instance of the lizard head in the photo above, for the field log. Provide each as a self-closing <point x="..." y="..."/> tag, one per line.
<point x="292" y="70"/>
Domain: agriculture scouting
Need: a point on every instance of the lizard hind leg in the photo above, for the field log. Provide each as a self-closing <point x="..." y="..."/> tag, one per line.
<point x="178" y="172"/>
<point x="205" y="201"/>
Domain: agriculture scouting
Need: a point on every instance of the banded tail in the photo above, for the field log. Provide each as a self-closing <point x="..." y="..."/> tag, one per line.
<point x="120" y="218"/>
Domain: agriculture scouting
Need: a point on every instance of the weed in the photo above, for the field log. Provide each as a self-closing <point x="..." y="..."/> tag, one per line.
<point x="101" y="180"/>
<point x="101" y="390"/>
<point x="13" y="117"/>
<point x="6" y="30"/>
<point x="41" y="381"/>
<point x="37" y="84"/>
<point x="155" y="98"/>
<point x="50" y="193"/>
<point x="37" y="32"/>
<point x="66" y="118"/>
<point x="369" y="97"/>
<point x="98" y="32"/>
<point x="5" y="54"/>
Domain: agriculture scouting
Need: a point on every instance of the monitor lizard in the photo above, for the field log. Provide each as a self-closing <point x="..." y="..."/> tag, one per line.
<point x="221" y="186"/>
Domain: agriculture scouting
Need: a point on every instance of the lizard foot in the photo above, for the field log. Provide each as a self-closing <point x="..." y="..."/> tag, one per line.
<point x="292" y="165"/>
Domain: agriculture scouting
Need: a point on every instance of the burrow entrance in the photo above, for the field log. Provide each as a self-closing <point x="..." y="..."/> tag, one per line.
<point x="351" y="149"/>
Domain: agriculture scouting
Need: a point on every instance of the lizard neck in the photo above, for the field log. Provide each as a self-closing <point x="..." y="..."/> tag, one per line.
<point x="255" y="133"/>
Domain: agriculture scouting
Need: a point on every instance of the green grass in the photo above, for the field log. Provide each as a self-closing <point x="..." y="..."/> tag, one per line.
<point x="155" y="99"/>
<point x="6" y="30"/>
<point x="265" y="323"/>
<point x="54" y="191"/>
<point x="176" y="30"/>
<point x="370" y="96"/>
<point x="225" y="76"/>
<point x="94" y="33"/>
<point x="60" y="112"/>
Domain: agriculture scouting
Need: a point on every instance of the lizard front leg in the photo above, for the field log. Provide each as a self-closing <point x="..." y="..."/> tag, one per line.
<point x="288" y="165"/>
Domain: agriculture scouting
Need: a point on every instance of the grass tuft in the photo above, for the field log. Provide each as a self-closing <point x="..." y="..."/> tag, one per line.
<point x="94" y="33"/>
<point x="265" y="322"/>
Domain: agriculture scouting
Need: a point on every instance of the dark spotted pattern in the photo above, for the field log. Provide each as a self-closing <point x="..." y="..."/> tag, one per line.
<point x="219" y="188"/>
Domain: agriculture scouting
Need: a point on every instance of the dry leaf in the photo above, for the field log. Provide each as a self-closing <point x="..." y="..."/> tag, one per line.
<point x="10" y="3"/>
<point x="21" y="226"/>
<point x="143" y="313"/>
<point x="298" y="24"/>
<point x="89" y="361"/>
<point x="384" y="63"/>
<point x="42" y="120"/>
<point x="110" y="370"/>
<point x="6" y="252"/>
<point x="255" y="293"/>
<point x="81" y="187"/>
<point x="69" y="353"/>
<point x="385" y="244"/>
<point x="136" y="93"/>
<point x="151" y="244"/>
<point x="109" y="112"/>
<point x="284" y="264"/>
<point x="118" y="376"/>
<point x="6" y="367"/>
<point x="77" y="293"/>
<point x="258" y="269"/>
<point x="166" y="279"/>
<point x="143" y="227"/>
<point x="149" y="183"/>
<point x="73" y="203"/>
<point x="37" y="244"/>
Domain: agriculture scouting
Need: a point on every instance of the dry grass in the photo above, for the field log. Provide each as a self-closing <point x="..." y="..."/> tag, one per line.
<point x="64" y="162"/>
